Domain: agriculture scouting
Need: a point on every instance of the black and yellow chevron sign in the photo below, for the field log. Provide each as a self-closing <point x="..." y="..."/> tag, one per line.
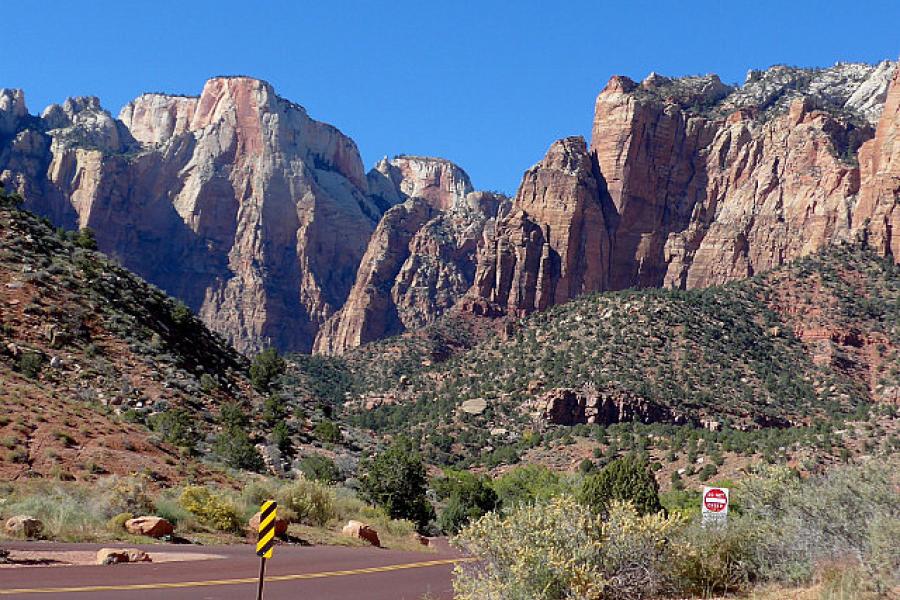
<point x="266" y="529"/>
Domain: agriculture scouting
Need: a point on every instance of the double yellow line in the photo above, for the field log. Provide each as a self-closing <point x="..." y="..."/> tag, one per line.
<point x="245" y="580"/>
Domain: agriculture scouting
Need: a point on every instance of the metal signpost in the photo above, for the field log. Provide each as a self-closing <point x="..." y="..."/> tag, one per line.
<point x="714" y="505"/>
<point x="266" y="540"/>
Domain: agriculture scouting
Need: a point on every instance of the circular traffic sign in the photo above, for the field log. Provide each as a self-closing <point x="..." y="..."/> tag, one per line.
<point x="715" y="500"/>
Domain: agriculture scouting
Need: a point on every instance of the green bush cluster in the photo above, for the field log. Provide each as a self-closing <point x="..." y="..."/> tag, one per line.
<point x="785" y="531"/>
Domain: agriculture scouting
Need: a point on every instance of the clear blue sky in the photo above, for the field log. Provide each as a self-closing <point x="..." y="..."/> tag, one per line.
<point x="487" y="84"/>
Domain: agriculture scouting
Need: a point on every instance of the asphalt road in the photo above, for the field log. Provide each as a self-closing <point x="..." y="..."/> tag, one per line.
<point x="295" y="573"/>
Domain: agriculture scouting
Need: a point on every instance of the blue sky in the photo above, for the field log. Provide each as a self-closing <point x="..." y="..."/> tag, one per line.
<point x="487" y="84"/>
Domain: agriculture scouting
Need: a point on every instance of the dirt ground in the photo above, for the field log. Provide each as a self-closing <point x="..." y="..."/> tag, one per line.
<point x="65" y="558"/>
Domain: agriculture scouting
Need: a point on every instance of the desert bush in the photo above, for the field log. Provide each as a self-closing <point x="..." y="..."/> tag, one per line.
<point x="834" y="518"/>
<point x="560" y="549"/>
<point x="469" y="497"/>
<point x="311" y="502"/>
<point x="627" y="479"/>
<point x="234" y="447"/>
<point x="169" y="508"/>
<point x="536" y="552"/>
<point x="328" y="432"/>
<point x="319" y="468"/>
<point x="395" y="480"/>
<point x="124" y="494"/>
<point x="30" y="364"/>
<point x="68" y="512"/>
<point x="176" y="427"/>
<point x="212" y="510"/>
<point x="719" y="560"/>
<point x="526" y="485"/>
<point x="117" y="523"/>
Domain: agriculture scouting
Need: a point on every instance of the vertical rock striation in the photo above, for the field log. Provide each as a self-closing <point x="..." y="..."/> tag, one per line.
<point x="236" y="201"/>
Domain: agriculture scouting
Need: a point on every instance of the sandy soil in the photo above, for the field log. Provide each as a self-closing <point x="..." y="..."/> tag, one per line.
<point x="64" y="558"/>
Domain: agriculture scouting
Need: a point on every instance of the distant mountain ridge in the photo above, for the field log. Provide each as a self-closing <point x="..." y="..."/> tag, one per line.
<point x="265" y="223"/>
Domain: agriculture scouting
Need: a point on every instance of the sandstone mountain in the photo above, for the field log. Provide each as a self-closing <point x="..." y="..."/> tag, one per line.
<point x="421" y="258"/>
<point x="235" y="201"/>
<point x="263" y="221"/>
<point x="690" y="183"/>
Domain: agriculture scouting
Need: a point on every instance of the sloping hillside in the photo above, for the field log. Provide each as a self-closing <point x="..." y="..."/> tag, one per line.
<point x="814" y="340"/>
<point x="87" y="351"/>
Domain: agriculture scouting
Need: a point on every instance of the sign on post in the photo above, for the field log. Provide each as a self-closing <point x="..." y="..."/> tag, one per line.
<point x="266" y="540"/>
<point x="714" y="505"/>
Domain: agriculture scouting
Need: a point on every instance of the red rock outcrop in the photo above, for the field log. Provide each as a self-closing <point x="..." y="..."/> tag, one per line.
<point x="369" y="313"/>
<point x="437" y="181"/>
<point x="553" y="243"/>
<point x="421" y="257"/>
<point x="877" y="215"/>
<point x="701" y="183"/>
<point x="259" y="217"/>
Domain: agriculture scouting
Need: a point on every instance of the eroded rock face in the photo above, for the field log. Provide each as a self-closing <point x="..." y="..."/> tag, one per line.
<point x="566" y="406"/>
<point x="421" y="258"/>
<point x="877" y="215"/>
<point x="553" y="243"/>
<point x="439" y="182"/>
<point x="700" y="183"/>
<point x="236" y="202"/>
<point x="263" y="220"/>
<point x="706" y="189"/>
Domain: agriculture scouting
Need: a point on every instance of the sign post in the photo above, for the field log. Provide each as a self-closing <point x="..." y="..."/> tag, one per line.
<point x="714" y="505"/>
<point x="266" y="540"/>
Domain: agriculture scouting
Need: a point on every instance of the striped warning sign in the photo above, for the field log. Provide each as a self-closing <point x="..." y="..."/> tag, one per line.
<point x="266" y="529"/>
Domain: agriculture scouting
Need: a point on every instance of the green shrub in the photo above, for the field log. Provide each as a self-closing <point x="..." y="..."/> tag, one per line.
<point x="212" y="510"/>
<point x="328" y="432"/>
<point x="526" y="485"/>
<point x="470" y="496"/>
<point x="395" y="480"/>
<point x="30" y="364"/>
<point x="86" y="239"/>
<point x="117" y="523"/>
<point x="626" y="479"/>
<point x="311" y="502"/>
<point x="234" y="447"/>
<point x="318" y="468"/>
<point x="176" y="427"/>
<point x="267" y="366"/>
<point x="562" y="550"/>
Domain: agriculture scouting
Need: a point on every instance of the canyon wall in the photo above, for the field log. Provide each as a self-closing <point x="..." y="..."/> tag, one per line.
<point x="264" y="221"/>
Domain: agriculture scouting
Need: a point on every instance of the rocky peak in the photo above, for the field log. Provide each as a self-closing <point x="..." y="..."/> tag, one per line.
<point x="437" y="181"/>
<point x="82" y="122"/>
<point x="552" y="245"/>
<point x="856" y="89"/>
<point x="156" y="118"/>
<point x="12" y="109"/>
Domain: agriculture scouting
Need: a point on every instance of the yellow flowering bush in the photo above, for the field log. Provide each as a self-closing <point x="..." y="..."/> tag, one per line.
<point x="210" y="509"/>
<point x="561" y="550"/>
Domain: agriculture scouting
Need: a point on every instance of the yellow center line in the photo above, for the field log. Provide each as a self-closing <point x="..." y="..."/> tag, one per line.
<point x="245" y="580"/>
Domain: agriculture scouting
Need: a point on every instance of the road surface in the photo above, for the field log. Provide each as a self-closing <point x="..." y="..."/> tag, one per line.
<point x="295" y="572"/>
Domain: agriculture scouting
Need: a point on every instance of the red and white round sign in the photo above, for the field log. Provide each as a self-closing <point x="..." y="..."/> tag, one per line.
<point x="715" y="500"/>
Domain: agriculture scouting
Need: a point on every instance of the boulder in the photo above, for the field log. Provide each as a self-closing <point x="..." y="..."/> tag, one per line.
<point x="112" y="556"/>
<point x="24" y="526"/>
<point x="361" y="531"/>
<point x="155" y="527"/>
<point x="281" y="525"/>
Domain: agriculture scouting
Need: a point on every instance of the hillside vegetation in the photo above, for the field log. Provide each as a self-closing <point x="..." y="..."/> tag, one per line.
<point x="815" y="341"/>
<point x="89" y="352"/>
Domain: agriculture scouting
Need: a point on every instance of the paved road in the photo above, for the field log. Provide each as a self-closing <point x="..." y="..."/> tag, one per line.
<point x="295" y="573"/>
